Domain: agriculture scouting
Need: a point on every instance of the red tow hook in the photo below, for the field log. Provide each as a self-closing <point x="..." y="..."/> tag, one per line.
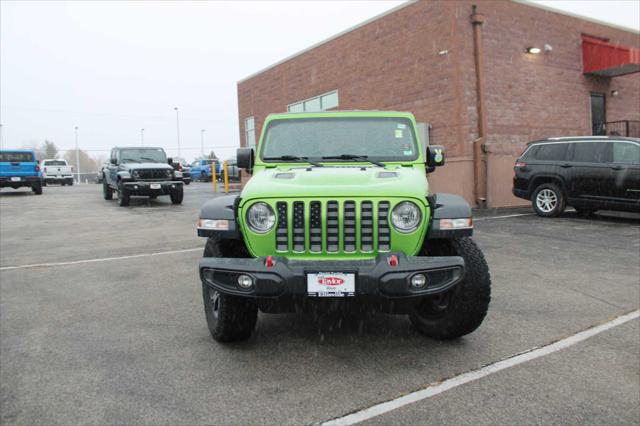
<point x="393" y="260"/>
<point x="269" y="262"/>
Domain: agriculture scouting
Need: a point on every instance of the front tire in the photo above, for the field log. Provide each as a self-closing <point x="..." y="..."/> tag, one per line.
<point x="229" y="318"/>
<point x="462" y="309"/>
<point x="123" y="195"/>
<point x="177" y="195"/>
<point x="107" y="192"/>
<point x="548" y="200"/>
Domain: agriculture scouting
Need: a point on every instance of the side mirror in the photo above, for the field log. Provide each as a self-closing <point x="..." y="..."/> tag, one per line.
<point x="114" y="161"/>
<point x="435" y="156"/>
<point x="170" y="161"/>
<point x="245" y="158"/>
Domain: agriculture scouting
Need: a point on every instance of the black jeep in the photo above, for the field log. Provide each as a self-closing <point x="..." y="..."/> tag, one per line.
<point x="588" y="173"/>
<point x="141" y="171"/>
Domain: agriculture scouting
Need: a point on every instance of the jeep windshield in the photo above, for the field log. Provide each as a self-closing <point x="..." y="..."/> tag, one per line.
<point x="340" y="139"/>
<point x="143" y="155"/>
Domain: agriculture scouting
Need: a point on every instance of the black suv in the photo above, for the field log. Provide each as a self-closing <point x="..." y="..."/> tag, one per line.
<point x="588" y="173"/>
<point x="141" y="171"/>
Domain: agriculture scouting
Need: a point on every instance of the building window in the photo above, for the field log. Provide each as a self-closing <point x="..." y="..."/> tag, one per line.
<point x="250" y="132"/>
<point x="318" y="103"/>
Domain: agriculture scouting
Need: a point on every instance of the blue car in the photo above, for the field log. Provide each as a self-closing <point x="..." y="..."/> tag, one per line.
<point x="20" y="168"/>
<point x="201" y="170"/>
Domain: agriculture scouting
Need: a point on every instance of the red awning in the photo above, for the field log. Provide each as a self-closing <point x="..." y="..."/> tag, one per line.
<point x="606" y="59"/>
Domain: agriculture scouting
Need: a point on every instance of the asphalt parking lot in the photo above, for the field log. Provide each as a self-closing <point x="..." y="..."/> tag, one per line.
<point x="102" y="323"/>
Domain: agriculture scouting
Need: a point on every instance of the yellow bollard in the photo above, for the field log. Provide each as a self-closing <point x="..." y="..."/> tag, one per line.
<point x="213" y="177"/>
<point x="226" y="176"/>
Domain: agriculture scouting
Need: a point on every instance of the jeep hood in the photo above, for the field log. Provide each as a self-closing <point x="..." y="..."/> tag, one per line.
<point x="337" y="181"/>
<point x="143" y="166"/>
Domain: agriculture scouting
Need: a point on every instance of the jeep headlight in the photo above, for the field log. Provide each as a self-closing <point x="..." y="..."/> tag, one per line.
<point x="135" y="174"/>
<point x="406" y="216"/>
<point x="168" y="173"/>
<point x="261" y="218"/>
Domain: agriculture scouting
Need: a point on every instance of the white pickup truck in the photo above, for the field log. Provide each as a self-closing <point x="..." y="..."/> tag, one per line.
<point x="57" y="171"/>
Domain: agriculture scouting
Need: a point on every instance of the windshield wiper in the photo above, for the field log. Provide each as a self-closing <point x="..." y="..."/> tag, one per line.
<point x="150" y="159"/>
<point x="294" y="158"/>
<point x="353" y="157"/>
<point x="124" y="160"/>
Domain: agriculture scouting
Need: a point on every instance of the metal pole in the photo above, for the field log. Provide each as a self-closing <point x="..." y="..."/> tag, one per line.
<point x="178" y="129"/>
<point x="142" y="136"/>
<point x="225" y="170"/>
<point x="77" y="155"/>
<point x="213" y="177"/>
<point x="202" y="142"/>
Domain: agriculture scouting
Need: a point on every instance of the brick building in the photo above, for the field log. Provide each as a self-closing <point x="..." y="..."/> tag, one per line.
<point x="488" y="79"/>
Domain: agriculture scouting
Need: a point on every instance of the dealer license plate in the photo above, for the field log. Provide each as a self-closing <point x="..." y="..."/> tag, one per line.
<point x="16" y="179"/>
<point x="155" y="186"/>
<point x="331" y="284"/>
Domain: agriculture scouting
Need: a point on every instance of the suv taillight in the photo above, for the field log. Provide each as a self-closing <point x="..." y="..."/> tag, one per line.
<point x="520" y="164"/>
<point x="179" y="167"/>
<point x="37" y="168"/>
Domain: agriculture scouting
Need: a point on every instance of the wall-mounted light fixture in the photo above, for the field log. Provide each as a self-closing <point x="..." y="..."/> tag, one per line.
<point x="534" y="50"/>
<point x="614" y="93"/>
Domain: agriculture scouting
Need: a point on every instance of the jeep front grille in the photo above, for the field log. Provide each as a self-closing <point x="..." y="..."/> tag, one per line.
<point x="152" y="174"/>
<point x="332" y="226"/>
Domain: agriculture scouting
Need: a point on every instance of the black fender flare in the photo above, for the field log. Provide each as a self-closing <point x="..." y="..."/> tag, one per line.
<point x="448" y="206"/>
<point x="221" y="208"/>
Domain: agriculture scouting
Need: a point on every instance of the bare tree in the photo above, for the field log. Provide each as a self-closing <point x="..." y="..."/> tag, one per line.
<point x="50" y="149"/>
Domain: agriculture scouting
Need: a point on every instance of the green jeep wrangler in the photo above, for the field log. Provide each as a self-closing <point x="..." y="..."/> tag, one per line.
<point x="338" y="213"/>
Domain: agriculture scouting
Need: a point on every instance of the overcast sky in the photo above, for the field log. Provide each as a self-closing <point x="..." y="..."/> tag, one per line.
<point x="114" y="68"/>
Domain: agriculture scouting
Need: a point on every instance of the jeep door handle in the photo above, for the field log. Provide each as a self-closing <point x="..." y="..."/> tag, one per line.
<point x="566" y="165"/>
<point x="617" y="168"/>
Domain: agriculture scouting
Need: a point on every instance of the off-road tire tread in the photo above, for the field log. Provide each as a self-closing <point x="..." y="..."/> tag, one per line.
<point x="177" y="195"/>
<point x="237" y="316"/>
<point x="107" y="192"/>
<point x="37" y="188"/>
<point x="123" y="196"/>
<point x="471" y="298"/>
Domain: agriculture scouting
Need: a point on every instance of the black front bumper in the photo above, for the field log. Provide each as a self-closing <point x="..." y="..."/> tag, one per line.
<point x="374" y="277"/>
<point x="152" y="188"/>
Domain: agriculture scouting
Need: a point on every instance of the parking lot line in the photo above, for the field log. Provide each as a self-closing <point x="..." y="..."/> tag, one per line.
<point x="102" y="259"/>
<point x="502" y="217"/>
<point x="473" y="375"/>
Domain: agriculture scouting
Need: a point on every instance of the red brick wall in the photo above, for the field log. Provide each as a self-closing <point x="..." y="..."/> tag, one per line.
<point x="393" y="64"/>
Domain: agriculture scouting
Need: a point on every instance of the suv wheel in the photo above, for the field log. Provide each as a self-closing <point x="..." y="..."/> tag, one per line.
<point x="548" y="200"/>
<point x="462" y="309"/>
<point x="107" y="192"/>
<point x="123" y="195"/>
<point x="176" y="195"/>
<point x="229" y="318"/>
